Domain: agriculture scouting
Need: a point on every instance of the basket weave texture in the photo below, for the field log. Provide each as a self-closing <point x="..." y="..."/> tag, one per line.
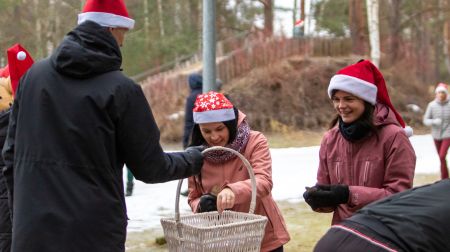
<point x="211" y="231"/>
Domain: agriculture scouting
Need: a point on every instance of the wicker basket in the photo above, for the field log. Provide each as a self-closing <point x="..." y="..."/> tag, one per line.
<point x="211" y="231"/>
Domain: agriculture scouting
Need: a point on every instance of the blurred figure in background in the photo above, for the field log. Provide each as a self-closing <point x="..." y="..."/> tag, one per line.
<point x="19" y="61"/>
<point x="437" y="116"/>
<point x="195" y="82"/>
<point x="366" y="154"/>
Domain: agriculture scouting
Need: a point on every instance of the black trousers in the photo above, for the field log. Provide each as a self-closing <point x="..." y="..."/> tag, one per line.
<point x="343" y="239"/>
<point x="280" y="249"/>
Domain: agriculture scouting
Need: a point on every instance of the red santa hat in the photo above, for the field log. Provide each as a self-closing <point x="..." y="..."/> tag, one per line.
<point x="212" y="107"/>
<point x="364" y="80"/>
<point x="19" y="61"/>
<point x="108" y="13"/>
<point x="441" y="87"/>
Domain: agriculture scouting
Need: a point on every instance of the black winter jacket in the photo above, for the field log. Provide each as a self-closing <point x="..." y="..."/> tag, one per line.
<point x="5" y="216"/>
<point x="414" y="220"/>
<point x="75" y="122"/>
<point x="195" y="85"/>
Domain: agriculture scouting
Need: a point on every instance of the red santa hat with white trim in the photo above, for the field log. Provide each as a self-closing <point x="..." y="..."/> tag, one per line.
<point x="212" y="107"/>
<point x="441" y="87"/>
<point x="19" y="61"/>
<point x="364" y="80"/>
<point x="108" y="13"/>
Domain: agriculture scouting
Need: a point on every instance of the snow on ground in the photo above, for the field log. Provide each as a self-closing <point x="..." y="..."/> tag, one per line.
<point x="293" y="169"/>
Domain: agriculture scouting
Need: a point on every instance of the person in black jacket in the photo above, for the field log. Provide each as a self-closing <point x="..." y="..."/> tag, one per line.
<point x="195" y="82"/>
<point x="414" y="220"/>
<point x="75" y="122"/>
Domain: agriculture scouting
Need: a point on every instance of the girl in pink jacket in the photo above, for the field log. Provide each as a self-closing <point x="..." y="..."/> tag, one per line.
<point x="366" y="155"/>
<point x="224" y="182"/>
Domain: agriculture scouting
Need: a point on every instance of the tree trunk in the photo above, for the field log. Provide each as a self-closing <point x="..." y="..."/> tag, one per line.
<point x="357" y="26"/>
<point x="268" y="17"/>
<point x="374" y="33"/>
<point x="38" y="29"/>
<point x="146" y="23"/>
<point x="445" y="39"/>
<point x="394" y="30"/>
<point x="161" y="19"/>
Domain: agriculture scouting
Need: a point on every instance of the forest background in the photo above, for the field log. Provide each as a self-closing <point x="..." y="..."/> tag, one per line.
<point x="414" y="42"/>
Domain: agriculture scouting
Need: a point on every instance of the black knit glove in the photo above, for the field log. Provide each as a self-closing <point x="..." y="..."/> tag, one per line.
<point x="326" y="196"/>
<point x="208" y="203"/>
<point x="196" y="156"/>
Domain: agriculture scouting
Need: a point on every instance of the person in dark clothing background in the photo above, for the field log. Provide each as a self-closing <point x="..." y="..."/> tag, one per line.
<point x="75" y="121"/>
<point x="195" y="82"/>
<point x="414" y="220"/>
<point x="19" y="61"/>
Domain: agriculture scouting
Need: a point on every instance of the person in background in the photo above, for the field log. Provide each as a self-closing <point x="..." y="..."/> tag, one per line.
<point x="366" y="154"/>
<point x="75" y="122"/>
<point x="130" y="183"/>
<point x="195" y="81"/>
<point x="224" y="182"/>
<point x="437" y="116"/>
<point x="413" y="220"/>
<point x="19" y="61"/>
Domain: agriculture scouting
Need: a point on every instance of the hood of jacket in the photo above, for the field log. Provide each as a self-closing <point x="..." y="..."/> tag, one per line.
<point x="88" y="50"/>
<point x="195" y="81"/>
<point x="384" y="116"/>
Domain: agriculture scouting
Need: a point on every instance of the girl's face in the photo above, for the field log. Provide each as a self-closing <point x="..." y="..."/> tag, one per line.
<point x="348" y="106"/>
<point x="215" y="134"/>
<point x="441" y="96"/>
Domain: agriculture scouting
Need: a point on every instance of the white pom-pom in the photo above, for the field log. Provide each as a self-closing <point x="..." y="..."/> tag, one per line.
<point x="21" y="55"/>
<point x="409" y="131"/>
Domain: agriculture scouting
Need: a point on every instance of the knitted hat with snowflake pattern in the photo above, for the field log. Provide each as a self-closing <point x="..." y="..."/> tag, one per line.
<point x="108" y="13"/>
<point x="212" y="107"/>
<point x="365" y="81"/>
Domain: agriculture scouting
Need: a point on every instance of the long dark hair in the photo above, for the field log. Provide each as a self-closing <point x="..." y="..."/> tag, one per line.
<point x="197" y="138"/>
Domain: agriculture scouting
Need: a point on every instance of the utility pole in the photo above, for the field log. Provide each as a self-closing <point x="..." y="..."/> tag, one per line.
<point x="209" y="45"/>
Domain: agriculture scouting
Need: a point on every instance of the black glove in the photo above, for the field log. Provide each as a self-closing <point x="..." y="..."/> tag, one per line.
<point x="195" y="153"/>
<point x="326" y="196"/>
<point x="208" y="203"/>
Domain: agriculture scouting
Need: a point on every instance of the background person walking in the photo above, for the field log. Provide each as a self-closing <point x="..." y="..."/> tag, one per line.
<point x="437" y="116"/>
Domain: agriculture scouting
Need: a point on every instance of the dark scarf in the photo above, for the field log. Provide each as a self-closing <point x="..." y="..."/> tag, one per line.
<point x="238" y="144"/>
<point x="353" y="131"/>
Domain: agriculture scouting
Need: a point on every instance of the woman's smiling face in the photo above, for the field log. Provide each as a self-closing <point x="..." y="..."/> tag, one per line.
<point x="348" y="106"/>
<point x="215" y="134"/>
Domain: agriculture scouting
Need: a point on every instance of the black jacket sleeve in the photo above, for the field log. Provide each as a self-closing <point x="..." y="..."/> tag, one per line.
<point x="138" y="137"/>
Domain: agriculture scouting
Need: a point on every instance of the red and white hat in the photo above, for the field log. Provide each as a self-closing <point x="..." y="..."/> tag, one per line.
<point x="4" y="72"/>
<point x="19" y="61"/>
<point x="364" y="80"/>
<point x="212" y="107"/>
<point x="441" y="87"/>
<point x="108" y="13"/>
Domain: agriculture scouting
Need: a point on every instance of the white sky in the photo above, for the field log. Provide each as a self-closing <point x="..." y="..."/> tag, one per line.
<point x="293" y="169"/>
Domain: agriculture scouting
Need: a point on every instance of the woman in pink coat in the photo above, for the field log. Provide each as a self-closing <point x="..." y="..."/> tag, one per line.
<point x="366" y="155"/>
<point x="224" y="182"/>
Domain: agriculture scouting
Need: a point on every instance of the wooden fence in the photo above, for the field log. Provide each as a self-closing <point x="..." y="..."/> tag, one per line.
<point x="166" y="91"/>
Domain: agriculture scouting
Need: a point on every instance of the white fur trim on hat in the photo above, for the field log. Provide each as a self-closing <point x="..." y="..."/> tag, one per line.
<point x="441" y="89"/>
<point x="220" y="115"/>
<point x="358" y="87"/>
<point x="106" y="19"/>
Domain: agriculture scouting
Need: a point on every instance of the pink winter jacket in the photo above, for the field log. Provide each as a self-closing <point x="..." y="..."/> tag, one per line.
<point x="233" y="174"/>
<point x="373" y="168"/>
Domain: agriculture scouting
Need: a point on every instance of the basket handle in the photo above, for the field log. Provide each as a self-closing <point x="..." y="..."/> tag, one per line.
<point x="250" y="172"/>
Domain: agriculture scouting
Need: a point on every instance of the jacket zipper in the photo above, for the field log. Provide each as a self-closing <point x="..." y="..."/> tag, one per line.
<point x="366" y="173"/>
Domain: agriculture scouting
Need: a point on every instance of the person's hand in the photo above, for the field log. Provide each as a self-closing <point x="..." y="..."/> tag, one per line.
<point x="437" y="121"/>
<point x="326" y="197"/>
<point x="208" y="203"/>
<point x="196" y="157"/>
<point x="198" y="148"/>
<point x="225" y="199"/>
